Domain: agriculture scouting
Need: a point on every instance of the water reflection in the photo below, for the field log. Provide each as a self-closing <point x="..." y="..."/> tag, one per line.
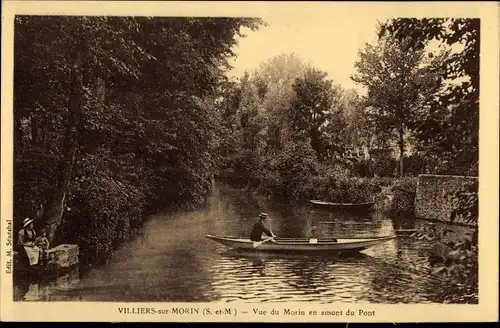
<point x="287" y="277"/>
<point x="46" y="288"/>
<point x="171" y="260"/>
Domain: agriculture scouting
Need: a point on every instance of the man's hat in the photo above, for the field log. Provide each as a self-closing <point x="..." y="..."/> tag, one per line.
<point x="263" y="216"/>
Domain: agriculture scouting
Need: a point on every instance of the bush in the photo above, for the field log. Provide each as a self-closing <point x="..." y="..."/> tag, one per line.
<point x="336" y="185"/>
<point x="242" y="170"/>
<point x="383" y="181"/>
<point x="352" y="190"/>
<point x="362" y="168"/>
<point x="104" y="209"/>
<point x="381" y="167"/>
<point x="384" y="167"/>
<point x="404" y="192"/>
<point x="290" y="173"/>
<point x="414" y="165"/>
<point x="454" y="264"/>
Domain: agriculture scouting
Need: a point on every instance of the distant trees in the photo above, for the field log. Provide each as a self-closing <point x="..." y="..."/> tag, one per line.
<point x="274" y="80"/>
<point x="256" y="116"/>
<point x="400" y="84"/>
<point x="316" y="113"/>
<point x="295" y="120"/>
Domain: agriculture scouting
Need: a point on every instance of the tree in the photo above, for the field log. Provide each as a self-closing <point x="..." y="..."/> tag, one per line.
<point x="274" y="80"/>
<point x="399" y="82"/>
<point x="313" y="109"/>
<point x="250" y="116"/>
<point x="243" y="146"/>
<point x="450" y="127"/>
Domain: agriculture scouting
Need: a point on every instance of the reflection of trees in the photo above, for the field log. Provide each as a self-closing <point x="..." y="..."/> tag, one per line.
<point x="239" y="204"/>
<point x="403" y="222"/>
<point x="270" y="276"/>
<point x="398" y="283"/>
<point x="46" y="288"/>
<point x="184" y="287"/>
<point x="309" y="275"/>
<point x="327" y="277"/>
<point x="21" y="287"/>
<point x="442" y="291"/>
<point x="346" y="225"/>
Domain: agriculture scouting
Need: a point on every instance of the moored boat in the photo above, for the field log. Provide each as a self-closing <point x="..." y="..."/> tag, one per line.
<point x="342" y="206"/>
<point x="309" y="245"/>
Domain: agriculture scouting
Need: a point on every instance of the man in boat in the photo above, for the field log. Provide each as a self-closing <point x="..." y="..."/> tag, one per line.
<point x="260" y="227"/>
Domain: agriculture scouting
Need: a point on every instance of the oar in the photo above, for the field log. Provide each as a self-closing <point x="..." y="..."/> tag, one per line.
<point x="258" y="243"/>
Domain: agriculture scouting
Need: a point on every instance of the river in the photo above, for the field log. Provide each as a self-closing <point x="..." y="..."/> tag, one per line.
<point x="171" y="260"/>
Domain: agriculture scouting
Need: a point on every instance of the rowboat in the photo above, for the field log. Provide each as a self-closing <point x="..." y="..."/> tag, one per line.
<point x="299" y="245"/>
<point x="342" y="206"/>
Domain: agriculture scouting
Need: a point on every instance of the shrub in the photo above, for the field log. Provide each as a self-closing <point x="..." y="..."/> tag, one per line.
<point x="414" y="165"/>
<point x="336" y="185"/>
<point x="404" y="192"/>
<point x="454" y="264"/>
<point x="384" y="166"/>
<point x="362" y="168"/>
<point x="383" y="181"/>
<point x="352" y="190"/>
<point x="290" y="173"/>
<point x="104" y="209"/>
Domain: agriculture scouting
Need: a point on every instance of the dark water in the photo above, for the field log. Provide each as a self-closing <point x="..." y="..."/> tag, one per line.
<point x="171" y="260"/>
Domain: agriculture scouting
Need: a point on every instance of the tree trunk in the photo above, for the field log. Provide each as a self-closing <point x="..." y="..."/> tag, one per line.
<point x="401" y="150"/>
<point x="18" y="134"/>
<point x="55" y="207"/>
<point x="44" y="136"/>
<point x="34" y="131"/>
<point x="43" y="131"/>
<point x="101" y="93"/>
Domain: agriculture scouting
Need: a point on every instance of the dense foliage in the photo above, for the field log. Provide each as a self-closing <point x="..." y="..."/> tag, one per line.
<point x="448" y="130"/>
<point x="114" y="119"/>
<point x="400" y="83"/>
<point x="454" y="261"/>
<point x="404" y="192"/>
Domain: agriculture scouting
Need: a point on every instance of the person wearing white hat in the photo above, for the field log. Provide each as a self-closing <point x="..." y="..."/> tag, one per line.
<point x="26" y="238"/>
<point x="261" y="227"/>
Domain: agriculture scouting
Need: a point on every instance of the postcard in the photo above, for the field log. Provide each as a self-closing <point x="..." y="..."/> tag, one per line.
<point x="205" y="161"/>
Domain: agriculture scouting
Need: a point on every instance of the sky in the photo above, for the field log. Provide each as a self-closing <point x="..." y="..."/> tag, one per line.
<point x="329" y="42"/>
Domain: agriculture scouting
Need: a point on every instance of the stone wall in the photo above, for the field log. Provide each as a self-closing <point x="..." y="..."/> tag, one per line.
<point x="62" y="256"/>
<point x="434" y="196"/>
